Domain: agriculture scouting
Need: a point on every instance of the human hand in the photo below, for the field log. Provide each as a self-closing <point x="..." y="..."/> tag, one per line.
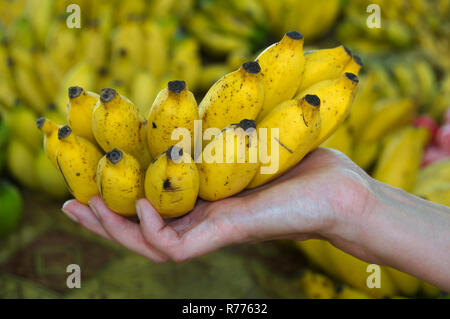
<point x="309" y="201"/>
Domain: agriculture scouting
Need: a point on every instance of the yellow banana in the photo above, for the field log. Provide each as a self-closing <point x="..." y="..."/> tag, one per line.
<point x="186" y="62"/>
<point x="174" y="107"/>
<point x="229" y="161"/>
<point x="172" y="183"/>
<point x="21" y="121"/>
<point x="324" y="64"/>
<point x="61" y="45"/>
<point x="19" y="161"/>
<point x="313" y="18"/>
<point x="341" y="140"/>
<point x="354" y="65"/>
<point x="298" y="125"/>
<point x="143" y="91"/>
<point x="94" y="45"/>
<point x="236" y="95"/>
<point x="362" y="107"/>
<point x="51" y="141"/>
<point x="120" y="181"/>
<point x="346" y="292"/>
<point x="77" y="160"/>
<point x="209" y="75"/>
<point x="354" y="272"/>
<point x="400" y="158"/>
<point x="81" y="74"/>
<point x="407" y="284"/>
<point x="388" y="115"/>
<point x="365" y="154"/>
<point x="117" y="123"/>
<point x="316" y="251"/>
<point x="29" y="89"/>
<point x="48" y="75"/>
<point x="156" y="48"/>
<point x="79" y="111"/>
<point x="317" y="286"/>
<point x="429" y="290"/>
<point x="48" y="177"/>
<point x="337" y="96"/>
<point x="282" y="65"/>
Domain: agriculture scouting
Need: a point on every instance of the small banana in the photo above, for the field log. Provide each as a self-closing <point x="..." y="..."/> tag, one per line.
<point x="81" y="74"/>
<point x="316" y="251"/>
<point x="77" y="160"/>
<point x="48" y="177"/>
<point x="388" y="114"/>
<point x="341" y="140"/>
<point x="337" y="96"/>
<point x="229" y="161"/>
<point x="117" y="123"/>
<point x="362" y="107"/>
<point x="282" y="65"/>
<point x="365" y="154"/>
<point x="19" y="161"/>
<point x="237" y="95"/>
<point x="174" y="107"/>
<point x="143" y="91"/>
<point x="120" y="181"/>
<point x="298" y="125"/>
<point x="317" y="286"/>
<point x="354" y="272"/>
<point x="21" y="121"/>
<point x="51" y="141"/>
<point x="400" y="158"/>
<point x="79" y="111"/>
<point x="407" y="284"/>
<point x="172" y="183"/>
<point x="324" y="64"/>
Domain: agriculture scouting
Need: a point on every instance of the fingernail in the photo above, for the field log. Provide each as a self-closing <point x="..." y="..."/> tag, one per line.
<point x="67" y="213"/>
<point x="94" y="211"/>
<point x="138" y="210"/>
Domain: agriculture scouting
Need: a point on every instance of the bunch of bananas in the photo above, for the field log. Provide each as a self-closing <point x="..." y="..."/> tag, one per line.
<point x="383" y="136"/>
<point x="404" y="24"/>
<point x="108" y="146"/>
<point x="236" y="28"/>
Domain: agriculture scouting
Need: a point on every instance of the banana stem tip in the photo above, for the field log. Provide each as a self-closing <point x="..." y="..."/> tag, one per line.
<point x="176" y="86"/>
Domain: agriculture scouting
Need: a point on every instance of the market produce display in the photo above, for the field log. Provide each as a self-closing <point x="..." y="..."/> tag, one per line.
<point x="107" y="97"/>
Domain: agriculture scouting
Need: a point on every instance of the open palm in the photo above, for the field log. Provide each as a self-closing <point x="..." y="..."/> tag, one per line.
<point x="303" y="203"/>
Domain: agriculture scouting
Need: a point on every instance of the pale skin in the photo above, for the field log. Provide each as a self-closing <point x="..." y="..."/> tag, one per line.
<point x="325" y="196"/>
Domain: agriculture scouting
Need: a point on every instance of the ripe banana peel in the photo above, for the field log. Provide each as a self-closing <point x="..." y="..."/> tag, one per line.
<point x="317" y="286"/>
<point x="172" y="183"/>
<point x="354" y="271"/>
<point x="48" y="177"/>
<point x="77" y="160"/>
<point x="324" y="64"/>
<point x="117" y="123"/>
<point x="174" y="107"/>
<point x="120" y="181"/>
<point x="51" y="141"/>
<point x="292" y="128"/>
<point x="237" y="95"/>
<point x="282" y="65"/>
<point x="79" y="110"/>
<point x="400" y="158"/>
<point x="229" y="161"/>
<point x="388" y="115"/>
<point x="341" y="140"/>
<point x="337" y="97"/>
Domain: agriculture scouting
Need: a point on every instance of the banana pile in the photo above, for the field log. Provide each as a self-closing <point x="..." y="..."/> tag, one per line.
<point x="385" y="136"/>
<point x="110" y="148"/>
<point x="404" y="24"/>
